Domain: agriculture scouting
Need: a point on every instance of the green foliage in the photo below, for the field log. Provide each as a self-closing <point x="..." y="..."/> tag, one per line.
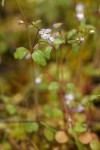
<point x="38" y="56"/>
<point x="59" y="41"/>
<point x="49" y="135"/>
<point x="53" y="86"/>
<point x="36" y="22"/>
<point x="80" y="128"/>
<point x="47" y="52"/>
<point x="57" y="113"/>
<point x="52" y="113"/>
<point x="75" y="47"/>
<point x="32" y="127"/>
<point x="11" y="109"/>
<point x="20" y="53"/>
<point x="95" y="145"/>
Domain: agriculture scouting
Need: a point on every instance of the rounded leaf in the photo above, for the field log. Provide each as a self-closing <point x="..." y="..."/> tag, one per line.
<point x="20" y="53"/>
<point x="53" y="86"/>
<point x="49" y="135"/>
<point x="38" y="57"/>
<point x="47" y="52"/>
<point x="61" y="137"/>
<point x="32" y="127"/>
<point x="85" y="138"/>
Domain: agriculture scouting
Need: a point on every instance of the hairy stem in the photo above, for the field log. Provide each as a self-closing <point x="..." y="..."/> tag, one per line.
<point x="32" y="65"/>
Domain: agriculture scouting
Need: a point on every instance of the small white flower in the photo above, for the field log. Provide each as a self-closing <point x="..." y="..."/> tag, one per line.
<point x="80" y="108"/>
<point x="57" y="25"/>
<point x="79" y="7"/>
<point x="20" y="22"/>
<point x="45" y="36"/>
<point x="68" y="98"/>
<point x="38" y="80"/>
<point x="92" y="31"/>
<point x="81" y="39"/>
<point x="45" y="33"/>
<point x="80" y="16"/>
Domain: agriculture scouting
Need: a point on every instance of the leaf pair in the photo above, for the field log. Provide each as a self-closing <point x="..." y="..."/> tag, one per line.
<point x="38" y="56"/>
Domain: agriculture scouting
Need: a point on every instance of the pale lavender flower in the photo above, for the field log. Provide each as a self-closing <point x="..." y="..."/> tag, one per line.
<point x="80" y="39"/>
<point x="80" y="108"/>
<point x="79" y="7"/>
<point x="80" y="16"/>
<point x="38" y="80"/>
<point x="45" y="33"/>
<point x="45" y="36"/>
<point x="57" y="25"/>
<point x="80" y="11"/>
<point x="68" y="98"/>
<point x="28" y="56"/>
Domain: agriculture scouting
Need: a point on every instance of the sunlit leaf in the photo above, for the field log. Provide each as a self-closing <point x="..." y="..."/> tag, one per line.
<point x="49" y="135"/>
<point x="58" y="41"/>
<point x="47" y="52"/>
<point x="38" y="56"/>
<point x="57" y="113"/>
<point x="32" y="127"/>
<point x="20" y="53"/>
<point x="11" y="109"/>
<point x="80" y="127"/>
<point x="53" y="86"/>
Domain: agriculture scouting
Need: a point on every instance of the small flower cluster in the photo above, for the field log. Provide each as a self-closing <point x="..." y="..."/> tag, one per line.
<point x="45" y="34"/>
<point x="68" y="99"/>
<point x="80" y="11"/>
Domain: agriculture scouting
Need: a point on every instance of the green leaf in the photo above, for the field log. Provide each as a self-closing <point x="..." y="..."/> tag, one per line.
<point x="11" y="109"/>
<point x="95" y="145"/>
<point x="38" y="56"/>
<point x="47" y="52"/>
<point x="71" y="33"/>
<point x="80" y="128"/>
<point x="58" y="41"/>
<point x="70" y="86"/>
<point x="48" y="111"/>
<point x="36" y="22"/>
<point x="75" y="47"/>
<point x="82" y="25"/>
<point x="49" y="135"/>
<point x="93" y="97"/>
<point x="57" y="113"/>
<point x="53" y="86"/>
<point x="20" y="53"/>
<point x="32" y="127"/>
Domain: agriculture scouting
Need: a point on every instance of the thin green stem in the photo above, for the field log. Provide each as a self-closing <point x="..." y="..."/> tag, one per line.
<point x="26" y="24"/>
<point x="32" y="65"/>
<point x="67" y="117"/>
<point x="35" y="38"/>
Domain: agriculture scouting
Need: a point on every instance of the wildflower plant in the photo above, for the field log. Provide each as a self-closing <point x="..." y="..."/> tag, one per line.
<point x="69" y="101"/>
